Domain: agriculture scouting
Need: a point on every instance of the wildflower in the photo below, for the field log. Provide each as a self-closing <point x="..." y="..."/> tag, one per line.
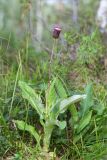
<point x="56" y="32"/>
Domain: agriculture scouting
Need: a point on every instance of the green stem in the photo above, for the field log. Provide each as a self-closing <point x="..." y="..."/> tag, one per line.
<point x="51" y="59"/>
<point x="50" y="74"/>
<point x="48" y="128"/>
<point x="47" y="137"/>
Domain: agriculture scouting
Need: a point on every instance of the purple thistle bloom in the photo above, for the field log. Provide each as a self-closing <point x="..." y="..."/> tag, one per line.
<point x="56" y="32"/>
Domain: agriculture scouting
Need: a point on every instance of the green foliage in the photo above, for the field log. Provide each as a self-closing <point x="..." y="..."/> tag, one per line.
<point x="72" y="37"/>
<point x="84" y="122"/>
<point x="90" y="49"/>
<point x="88" y="102"/>
<point x="25" y="127"/>
<point x="4" y="144"/>
<point x="74" y="131"/>
<point x="33" y="98"/>
<point x="56" y="91"/>
<point x="17" y="156"/>
<point x="56" y="103"/>
<point x="81" y="119"/>
<point x="84" y="119"/>
<point x="88" y="125"/>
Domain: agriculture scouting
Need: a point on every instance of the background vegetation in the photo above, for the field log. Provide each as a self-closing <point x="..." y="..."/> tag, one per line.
<point x="79" y="67"/>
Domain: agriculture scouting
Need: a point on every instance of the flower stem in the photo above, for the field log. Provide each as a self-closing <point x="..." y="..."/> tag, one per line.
<point x="51" y="59"/>
<point x="50" y="72"/>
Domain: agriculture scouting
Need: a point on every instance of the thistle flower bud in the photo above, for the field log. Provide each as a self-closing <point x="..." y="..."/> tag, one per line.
<point x="56" y="32"/>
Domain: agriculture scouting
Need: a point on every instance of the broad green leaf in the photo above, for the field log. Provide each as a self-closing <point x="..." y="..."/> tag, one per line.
<point x="60" y="89"/>
<point x="25" y="127"/>
<point x="35" y="101"/>
<point x="55" y="110"/>
<point x="74" y="113"/>
<point x="62" y="105"/>
<point x="71" y="100"/>
<point x="51" y="95"/>
<point x="84" y="122"/>
<point x="88" y="101"/>
<point x="77" y="137"/>
<point x="56" y="91"/>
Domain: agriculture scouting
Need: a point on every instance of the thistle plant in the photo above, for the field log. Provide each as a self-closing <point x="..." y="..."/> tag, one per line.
<point x="56" y="102"/>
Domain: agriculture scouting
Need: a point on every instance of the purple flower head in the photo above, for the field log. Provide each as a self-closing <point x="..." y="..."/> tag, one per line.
<point x="56" y="31"/>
